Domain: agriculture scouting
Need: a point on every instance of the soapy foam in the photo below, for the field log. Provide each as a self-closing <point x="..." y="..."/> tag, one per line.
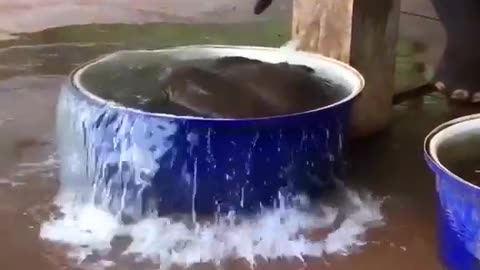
<point x="275" y="233"/>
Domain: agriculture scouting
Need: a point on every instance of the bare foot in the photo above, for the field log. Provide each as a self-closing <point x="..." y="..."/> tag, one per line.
<point x="458" y="94"/>
<point x="458" y="77"/>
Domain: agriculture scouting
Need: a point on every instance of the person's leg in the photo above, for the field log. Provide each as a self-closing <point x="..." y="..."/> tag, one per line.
<point x="261" y="6"/>
<point x="458" y="74"/>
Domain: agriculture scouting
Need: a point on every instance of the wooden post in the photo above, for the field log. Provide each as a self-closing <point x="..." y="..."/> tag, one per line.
<point x="362" y="33"/>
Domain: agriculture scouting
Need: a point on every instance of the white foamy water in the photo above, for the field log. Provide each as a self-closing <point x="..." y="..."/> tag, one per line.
<point x="45" y="167"/>
<point x="276" y="233"/>
<point x="290" y="46"/>
<point x="8" y="182"/>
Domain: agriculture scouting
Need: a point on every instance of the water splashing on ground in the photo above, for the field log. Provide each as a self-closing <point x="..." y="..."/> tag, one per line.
<point x="284" y="232"/>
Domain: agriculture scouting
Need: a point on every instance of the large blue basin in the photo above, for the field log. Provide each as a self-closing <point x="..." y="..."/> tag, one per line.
<point x="458" y="217"/>
<point x="136" y="162"/>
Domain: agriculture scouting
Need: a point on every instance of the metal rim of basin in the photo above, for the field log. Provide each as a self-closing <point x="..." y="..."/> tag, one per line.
<point x="445" y="131"/>
<point x="353" y="77"/>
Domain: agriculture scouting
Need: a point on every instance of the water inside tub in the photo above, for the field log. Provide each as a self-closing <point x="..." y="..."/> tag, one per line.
<point x="461" y="156"/>
<point x="228" y="87"/>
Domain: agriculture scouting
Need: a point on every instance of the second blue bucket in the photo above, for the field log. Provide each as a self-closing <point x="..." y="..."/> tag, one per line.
<point x="458" y="215"/>
<point x="135" y="162"/>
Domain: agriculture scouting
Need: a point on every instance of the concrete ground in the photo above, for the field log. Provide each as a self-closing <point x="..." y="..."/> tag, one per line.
<point x="31" y="75"/>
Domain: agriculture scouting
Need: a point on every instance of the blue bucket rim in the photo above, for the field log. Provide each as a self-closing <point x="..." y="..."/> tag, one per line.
<point x="448" y="127"/>
<point x="358" y="87"/>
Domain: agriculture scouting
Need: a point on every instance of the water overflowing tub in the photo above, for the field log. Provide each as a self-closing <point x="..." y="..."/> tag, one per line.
<point x="133" y="162"/>
<point x="452" y="152"/>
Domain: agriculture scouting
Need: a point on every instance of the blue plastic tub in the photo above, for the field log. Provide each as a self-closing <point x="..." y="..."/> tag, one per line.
<point x="458" y="218"/>
<point x="138" y="162"/>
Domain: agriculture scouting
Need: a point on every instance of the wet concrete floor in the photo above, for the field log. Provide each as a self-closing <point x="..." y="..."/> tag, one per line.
<point x="389" y="164"/>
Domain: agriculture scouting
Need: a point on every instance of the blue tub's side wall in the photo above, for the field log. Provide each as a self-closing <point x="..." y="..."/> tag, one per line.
<point x="458" y="219"/>
<point x="139" y="162"/>
<point x="107" y="156"/>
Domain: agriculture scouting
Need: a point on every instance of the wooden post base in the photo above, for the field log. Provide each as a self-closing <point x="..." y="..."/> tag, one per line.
<point x="362" y="33"/>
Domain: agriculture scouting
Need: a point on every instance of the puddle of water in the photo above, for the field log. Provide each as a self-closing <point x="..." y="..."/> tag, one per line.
<point x="272" y="32"/>
<point x="58" y="51"/>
